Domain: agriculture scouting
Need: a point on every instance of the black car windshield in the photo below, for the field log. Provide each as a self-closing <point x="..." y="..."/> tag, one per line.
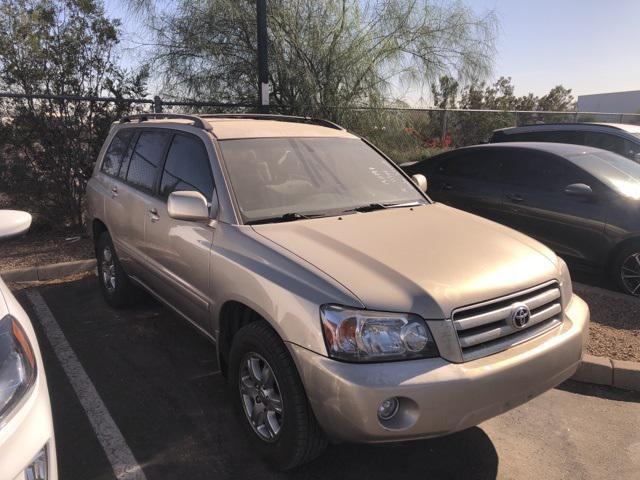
<point x="292" y="178"/>
<point x="620" y="173"/>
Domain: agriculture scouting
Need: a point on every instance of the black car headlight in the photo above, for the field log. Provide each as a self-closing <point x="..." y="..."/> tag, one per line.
<point x="17" y="365"/>
<point x="367" y="336"/>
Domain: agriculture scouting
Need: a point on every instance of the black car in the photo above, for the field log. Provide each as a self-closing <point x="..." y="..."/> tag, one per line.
<point x="582" y="202"/>
<point x="620" y="138"/>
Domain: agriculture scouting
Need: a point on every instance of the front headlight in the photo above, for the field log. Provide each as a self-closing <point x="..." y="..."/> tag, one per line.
<point x="566" y="288"/>
<point x="17" y="364"/>
<point x="366" y="336"/>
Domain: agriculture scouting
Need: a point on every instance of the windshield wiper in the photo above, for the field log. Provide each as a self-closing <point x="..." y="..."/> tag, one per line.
<point x="371" y="207"/>
<point x="287" y="217"/>
<point x="366" y="208"/>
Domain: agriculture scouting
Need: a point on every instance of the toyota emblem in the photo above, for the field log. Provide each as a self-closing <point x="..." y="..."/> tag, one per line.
<point x="520" y="315"/>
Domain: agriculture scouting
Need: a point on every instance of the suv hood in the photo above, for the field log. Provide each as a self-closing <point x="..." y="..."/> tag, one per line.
<point x="426" y="260"/>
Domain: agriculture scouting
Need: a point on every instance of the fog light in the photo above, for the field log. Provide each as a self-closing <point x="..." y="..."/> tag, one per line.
<point x="388" y="408"/>
<point x="39" y="467"/>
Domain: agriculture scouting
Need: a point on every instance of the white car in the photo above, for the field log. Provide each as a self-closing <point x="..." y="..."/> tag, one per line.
<point x="27" y="444"/>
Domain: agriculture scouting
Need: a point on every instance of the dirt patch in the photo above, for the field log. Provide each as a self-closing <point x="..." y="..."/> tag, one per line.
<point x="615" y="323"/>
<point x="44" y="248"/>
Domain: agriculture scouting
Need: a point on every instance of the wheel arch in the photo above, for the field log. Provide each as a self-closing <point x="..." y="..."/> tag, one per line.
<point x="98" y="227"/>
<point x="615" y="251"/>
<point x="235" y="314"/>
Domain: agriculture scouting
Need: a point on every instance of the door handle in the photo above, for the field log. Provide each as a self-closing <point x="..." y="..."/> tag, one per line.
<point x="514" y="197"/>
<point x="153" y="215"/>
<point x="446" y="186"/>
<point x="114" y="191"/>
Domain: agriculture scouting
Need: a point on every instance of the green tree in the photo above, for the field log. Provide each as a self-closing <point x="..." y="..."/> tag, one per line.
<point x="558" y="99"/>
<point x="325" y="56"/>
<point x="57" y="47"/>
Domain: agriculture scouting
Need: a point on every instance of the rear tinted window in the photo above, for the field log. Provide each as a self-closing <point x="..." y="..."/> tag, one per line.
<point x="146" y="158"/>
<point x="187" y="168"/>
<point x="113" y="158"/>
<point x="553" y="136"/>
<point x="605" y="141"/>
<point x="541" y="172"/>
<point x="476" y="165"/>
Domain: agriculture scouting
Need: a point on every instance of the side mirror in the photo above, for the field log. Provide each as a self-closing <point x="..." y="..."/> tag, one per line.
<point x="420" y="180"/>
<point x="579" y="190"/>
<point x="13" y="223"/>
<point x="191" y="206"/>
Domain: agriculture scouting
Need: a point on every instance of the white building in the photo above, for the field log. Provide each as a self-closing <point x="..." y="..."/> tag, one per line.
<point x="617" y="102"/>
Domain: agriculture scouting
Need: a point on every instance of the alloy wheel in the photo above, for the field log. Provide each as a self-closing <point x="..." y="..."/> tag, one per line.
<point x="108" y="270"/>
<point x="261" y="397"/>
<point x="630" y="274"/>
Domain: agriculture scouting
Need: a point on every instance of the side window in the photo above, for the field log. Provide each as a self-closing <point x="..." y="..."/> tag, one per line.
<point x="113" y="158"/>
<point x="632" y="149"/>
<point x="562" y="136"/>
<point x="541" y="172"/>
<point x="146" y="158"/>
<point x="187" y="167"/>
<point x="529" y="137"/>
<point x="475" y="165"/>
<point x="606" y="141"/>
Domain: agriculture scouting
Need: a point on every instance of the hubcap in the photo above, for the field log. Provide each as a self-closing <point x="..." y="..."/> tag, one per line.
<point x="630" y="274"/>
<point x="108" y="270"/>
<point x="261" y="398"/>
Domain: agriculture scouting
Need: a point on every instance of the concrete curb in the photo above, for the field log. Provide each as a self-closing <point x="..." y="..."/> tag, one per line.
<point x="48" y="272"/>
<point x="608" y="372"/>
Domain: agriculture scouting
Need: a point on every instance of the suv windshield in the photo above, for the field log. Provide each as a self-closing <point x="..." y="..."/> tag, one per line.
<point x="293" y="178"/>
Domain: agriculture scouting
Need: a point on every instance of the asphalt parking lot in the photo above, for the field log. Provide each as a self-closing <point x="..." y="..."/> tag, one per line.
<point x="160" y="384"/>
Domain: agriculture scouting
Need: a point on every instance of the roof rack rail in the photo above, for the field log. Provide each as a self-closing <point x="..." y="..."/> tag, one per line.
<point x="282" y="118"/>
<point x="555" y="124"/>
<point x="143" y="117"/>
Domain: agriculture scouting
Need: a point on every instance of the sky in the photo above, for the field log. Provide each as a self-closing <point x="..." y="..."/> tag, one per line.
<point x="589" y="46"/>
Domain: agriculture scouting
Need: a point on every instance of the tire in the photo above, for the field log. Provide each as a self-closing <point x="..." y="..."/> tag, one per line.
<point x="625" y="270"/>
<point x="115" y="284"/>
<point x="299" y="438"/>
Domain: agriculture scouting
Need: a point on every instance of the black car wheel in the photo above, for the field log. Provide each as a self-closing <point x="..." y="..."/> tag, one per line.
<point x="271" y="403"/>
<point x="626" y="269"/>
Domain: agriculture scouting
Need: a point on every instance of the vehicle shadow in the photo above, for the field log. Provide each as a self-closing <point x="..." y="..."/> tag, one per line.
<point x="592" y="278"/>
<point x="466" y="454"/>
<point x="606" y="393"/>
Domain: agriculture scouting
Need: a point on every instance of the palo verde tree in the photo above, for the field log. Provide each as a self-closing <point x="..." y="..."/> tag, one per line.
<point x="57" y="47"/>
<point x="324" y="56"/>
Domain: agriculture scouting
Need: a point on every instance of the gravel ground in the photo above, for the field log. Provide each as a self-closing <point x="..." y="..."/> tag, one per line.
<point x="44" y="248"/>
<point x="615" y="323"/>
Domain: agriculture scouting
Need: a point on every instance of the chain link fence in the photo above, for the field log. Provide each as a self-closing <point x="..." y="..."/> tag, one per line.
<point x="49" y="143"/>
<point x="413" y="134"/>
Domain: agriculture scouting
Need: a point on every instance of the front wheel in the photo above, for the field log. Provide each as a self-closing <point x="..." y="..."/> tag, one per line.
<point x="270" y="400"/>
<point x="626" y="269"/>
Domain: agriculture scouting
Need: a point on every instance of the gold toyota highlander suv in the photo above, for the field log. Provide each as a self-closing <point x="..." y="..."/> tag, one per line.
<point x="343" y="302"/>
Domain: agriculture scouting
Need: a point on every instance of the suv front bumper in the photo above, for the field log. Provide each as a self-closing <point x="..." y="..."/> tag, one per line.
<point x="438" y="397"/>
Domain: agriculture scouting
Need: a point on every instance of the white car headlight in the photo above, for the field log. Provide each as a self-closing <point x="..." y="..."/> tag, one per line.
<point x="17" y="364"/>
<point x="566" y="288"/>
<point x="367" y="336"/>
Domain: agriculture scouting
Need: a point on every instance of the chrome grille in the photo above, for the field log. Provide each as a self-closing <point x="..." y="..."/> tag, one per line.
<point x="486" y="328"/>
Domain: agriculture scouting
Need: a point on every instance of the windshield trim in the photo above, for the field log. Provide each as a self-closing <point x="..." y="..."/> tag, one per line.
<point x="240" y="218"/>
